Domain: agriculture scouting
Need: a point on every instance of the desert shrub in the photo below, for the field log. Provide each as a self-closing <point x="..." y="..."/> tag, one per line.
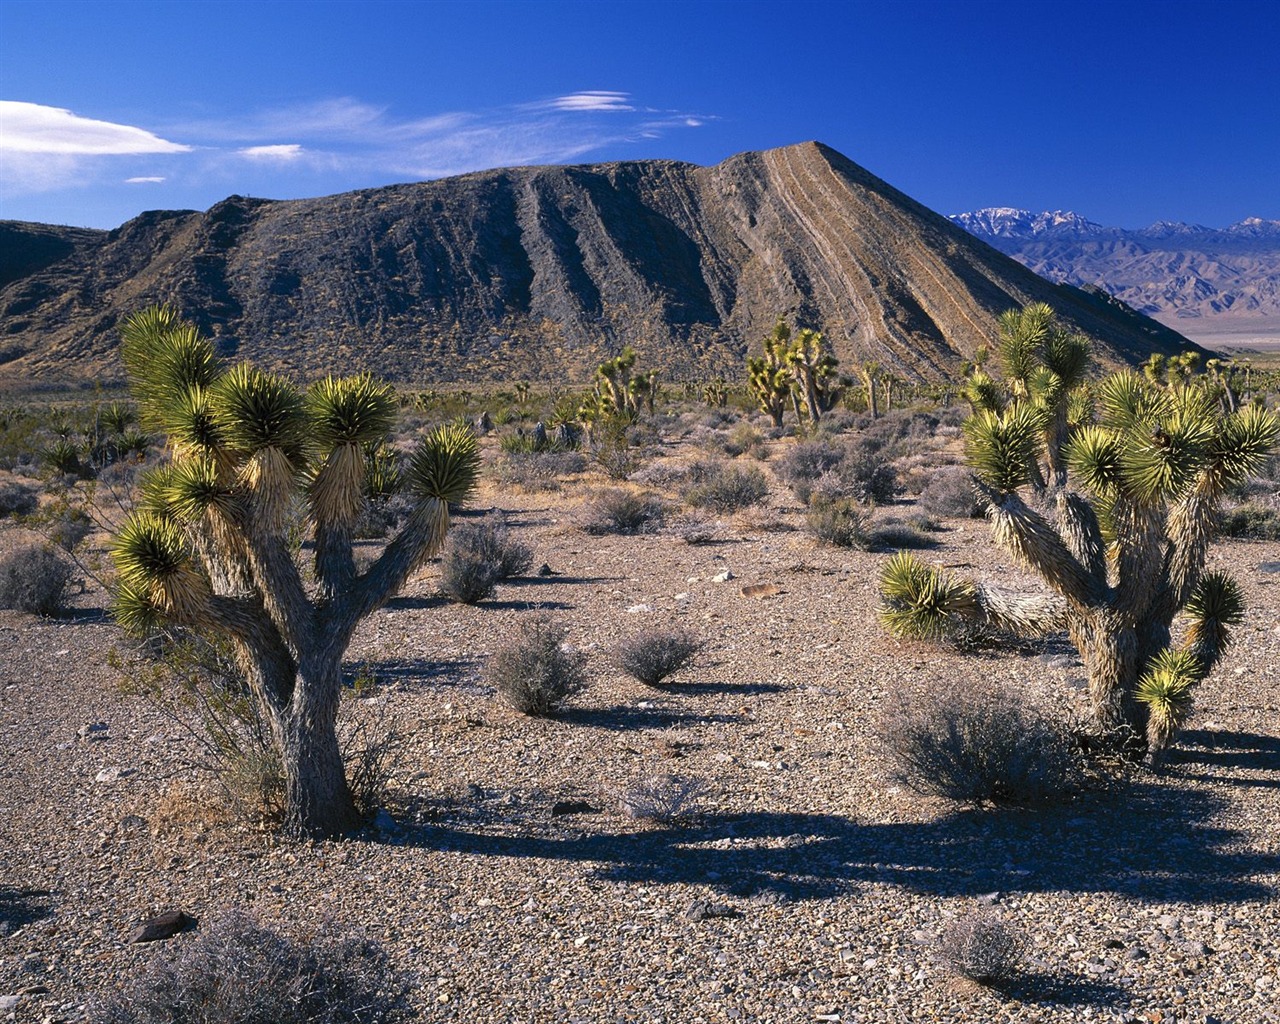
<point x="652" y="656"/>
<point x="839" y="521"/>
<point x="238" y="970"/>
<point x="743" y="439"/>
<point x="1252" y="519"/>
<point x="476" y="555"/>
<point x="893" y="534"/>
<point x="662" y="797"/>
<point x="609" y="445"/>
<point x="68" y="527"/>
<point x="534" y="672"/>
<point x="802" y="464"/>
<point x="17" y="499"/>
<point x="33" y="579"/>
<point x="950" y="492"/>
<point x="723" y="489"/>
<point x="537" y="471"/>
<point x="856" y="468"/>
<point x="621" y="510"/>
<point x="492" y="539"/>
<point x="978" y="745"/>
<point x="980" y="946"/>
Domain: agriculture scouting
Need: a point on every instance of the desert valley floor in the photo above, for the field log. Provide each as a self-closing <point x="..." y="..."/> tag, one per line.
<point x="807" y="888"/>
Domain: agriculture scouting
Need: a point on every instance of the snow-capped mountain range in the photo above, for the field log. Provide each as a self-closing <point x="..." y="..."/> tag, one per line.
<point x="1201" y="281"/>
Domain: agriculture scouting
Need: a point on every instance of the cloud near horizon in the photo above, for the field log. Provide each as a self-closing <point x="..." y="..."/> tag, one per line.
<point x="342" y="143"/>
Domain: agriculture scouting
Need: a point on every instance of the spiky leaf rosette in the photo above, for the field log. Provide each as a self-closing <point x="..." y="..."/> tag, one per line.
<point x="1167" y="690"/>
<point x="982" y="392"/>
<point x="920" y="601"/>
<point x="1240" y="446"/>
<point x="1125" y="399"/>
<point x="1067" y="355"/>
<point x="350" y="410"/>
<point x="346" y="414"/>
<point x="164" y="358"/>
<point x="445" y="464"/>
<point x="192" y="426"/>
<point x="194" y="489"/>
<point x="1159" y="461"/>
<point x="1216" y="604"/>
<point x="1000" y="447"/>
<point x="263" y="420"/>
<point x="153" y="559"/>
<point x="382" y="475"/>
<point x="1095" y="457"/>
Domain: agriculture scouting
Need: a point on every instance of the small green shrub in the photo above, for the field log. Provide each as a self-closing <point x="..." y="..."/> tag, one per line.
<point x="978" y="745"/>
<point x="653" y="656"/>
<point x="724" y="488"/>
<point x="623" y="511"/>
<point x="33" y="579"/>
<point x="238" y="970"/>
<point x="491" y="539"/>
<point x="537" y="471"/>
<point x="1253" y="520"/>
<point x="466" y="576"/>
<point x="662" y="798"/>
<point x="839" y="521"/>
<point x="534" y="673"/>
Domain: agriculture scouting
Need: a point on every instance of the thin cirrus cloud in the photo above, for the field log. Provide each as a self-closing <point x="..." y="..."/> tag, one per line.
<point x="336" y="143"/>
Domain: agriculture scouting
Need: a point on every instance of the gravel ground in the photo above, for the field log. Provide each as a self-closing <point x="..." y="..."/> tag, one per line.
<point x="807" y="888"/>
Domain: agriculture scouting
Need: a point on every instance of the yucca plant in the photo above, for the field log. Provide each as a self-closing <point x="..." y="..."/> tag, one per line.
<point x="253" y="458"/>
<point x="769" y="378"/>
<point x="1126" y="553"/>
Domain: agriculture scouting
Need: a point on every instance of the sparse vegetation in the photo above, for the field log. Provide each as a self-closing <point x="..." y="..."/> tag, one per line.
<point x="34" y="580"/>
<point x="980" y="946"/>
<point x="477" y="555"/>
<point x="723" y="488"/>
<point x="236" y="969"/>
<point x="534" y="672"/>
<point x="978" y="745"/>
<point x="652" y="656"/>
<point x="662" y="798"/>
<point x="622" y="510"/>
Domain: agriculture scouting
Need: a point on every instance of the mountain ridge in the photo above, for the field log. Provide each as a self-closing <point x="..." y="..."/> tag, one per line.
<point x="544" y="271"/>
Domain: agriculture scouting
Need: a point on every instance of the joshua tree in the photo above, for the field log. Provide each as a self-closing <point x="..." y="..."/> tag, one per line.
<point x="870" y="374"/>
<point x="768" y="375"/>
<point x="813" y="368"/>
<point x="1123" y="561"/>
<point x="254" y="460"/>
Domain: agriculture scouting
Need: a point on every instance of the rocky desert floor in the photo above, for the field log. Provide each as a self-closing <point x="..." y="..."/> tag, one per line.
<point x="807" y="887"/>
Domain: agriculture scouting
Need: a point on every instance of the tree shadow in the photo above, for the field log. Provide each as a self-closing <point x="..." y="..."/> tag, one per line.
<point x="426" y="603"/>
<point x="419" y="672"/>
<point x="20" y="907"/>
<point x="1150" y="843"/>
<point x="542" y="581"/>
<point x="627" y="718"/>
<point x="1236" y="751"/>
<point x="1057" y="990"/>
<point x="704" y="689"/>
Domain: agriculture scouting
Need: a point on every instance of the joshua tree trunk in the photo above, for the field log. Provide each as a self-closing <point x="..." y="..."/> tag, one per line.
<point x="318" y="800"/>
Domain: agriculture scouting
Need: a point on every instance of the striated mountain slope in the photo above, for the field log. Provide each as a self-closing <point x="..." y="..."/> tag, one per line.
<point x="1203" y="279"/>
<point x="541" y="272"/>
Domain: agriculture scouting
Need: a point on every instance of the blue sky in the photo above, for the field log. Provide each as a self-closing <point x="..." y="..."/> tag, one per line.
<point x="1126" y="112"/>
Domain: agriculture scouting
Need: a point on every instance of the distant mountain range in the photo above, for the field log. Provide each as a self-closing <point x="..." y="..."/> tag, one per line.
<point x="542" y="272"/>
<point x="1205" y="282"/>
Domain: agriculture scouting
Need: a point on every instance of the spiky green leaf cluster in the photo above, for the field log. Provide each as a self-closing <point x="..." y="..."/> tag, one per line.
<point x="256" y="410"/>
<point x="1000" y="447"/>
<point x="1167" y="689"/>
<point x="921" y="601"/>
<point x="445" y="464"/>
<point x="350" y="410"/>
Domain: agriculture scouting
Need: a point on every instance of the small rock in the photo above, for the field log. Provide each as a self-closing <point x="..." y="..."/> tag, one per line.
<point x="701" y="910"/>
<point x="9" y="1003"/>
<point x="92" y="731"/>
<point x="989" y="898"/>
<point x="1269" y="567"/>
<point x="639" y="609"/>
<point x="163" y="926"/>
<point x="546" y="570"/>
<point x="384" y="822"/>
<point x="112" y="774"/>
<point x="722" y="577"/>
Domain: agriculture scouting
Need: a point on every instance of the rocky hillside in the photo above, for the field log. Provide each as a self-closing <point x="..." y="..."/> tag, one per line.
<point x="1183" y="273"/>
<point x="540" y="272"/>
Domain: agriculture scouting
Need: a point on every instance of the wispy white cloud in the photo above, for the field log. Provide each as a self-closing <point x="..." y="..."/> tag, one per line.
<point x="149" y="179"/>
<point x="282" y="152"/>
<point x="594" y="101"/>
<point x="34" y="128"/>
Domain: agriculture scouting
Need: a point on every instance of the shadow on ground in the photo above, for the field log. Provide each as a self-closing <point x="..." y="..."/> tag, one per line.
<point x="1151" y="842"/>
<point x="1215" y="751"/>
<point x="20" y="907"/>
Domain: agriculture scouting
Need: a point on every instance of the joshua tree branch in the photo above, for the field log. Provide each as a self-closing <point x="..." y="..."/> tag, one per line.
<point x="1024" y="533"/>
